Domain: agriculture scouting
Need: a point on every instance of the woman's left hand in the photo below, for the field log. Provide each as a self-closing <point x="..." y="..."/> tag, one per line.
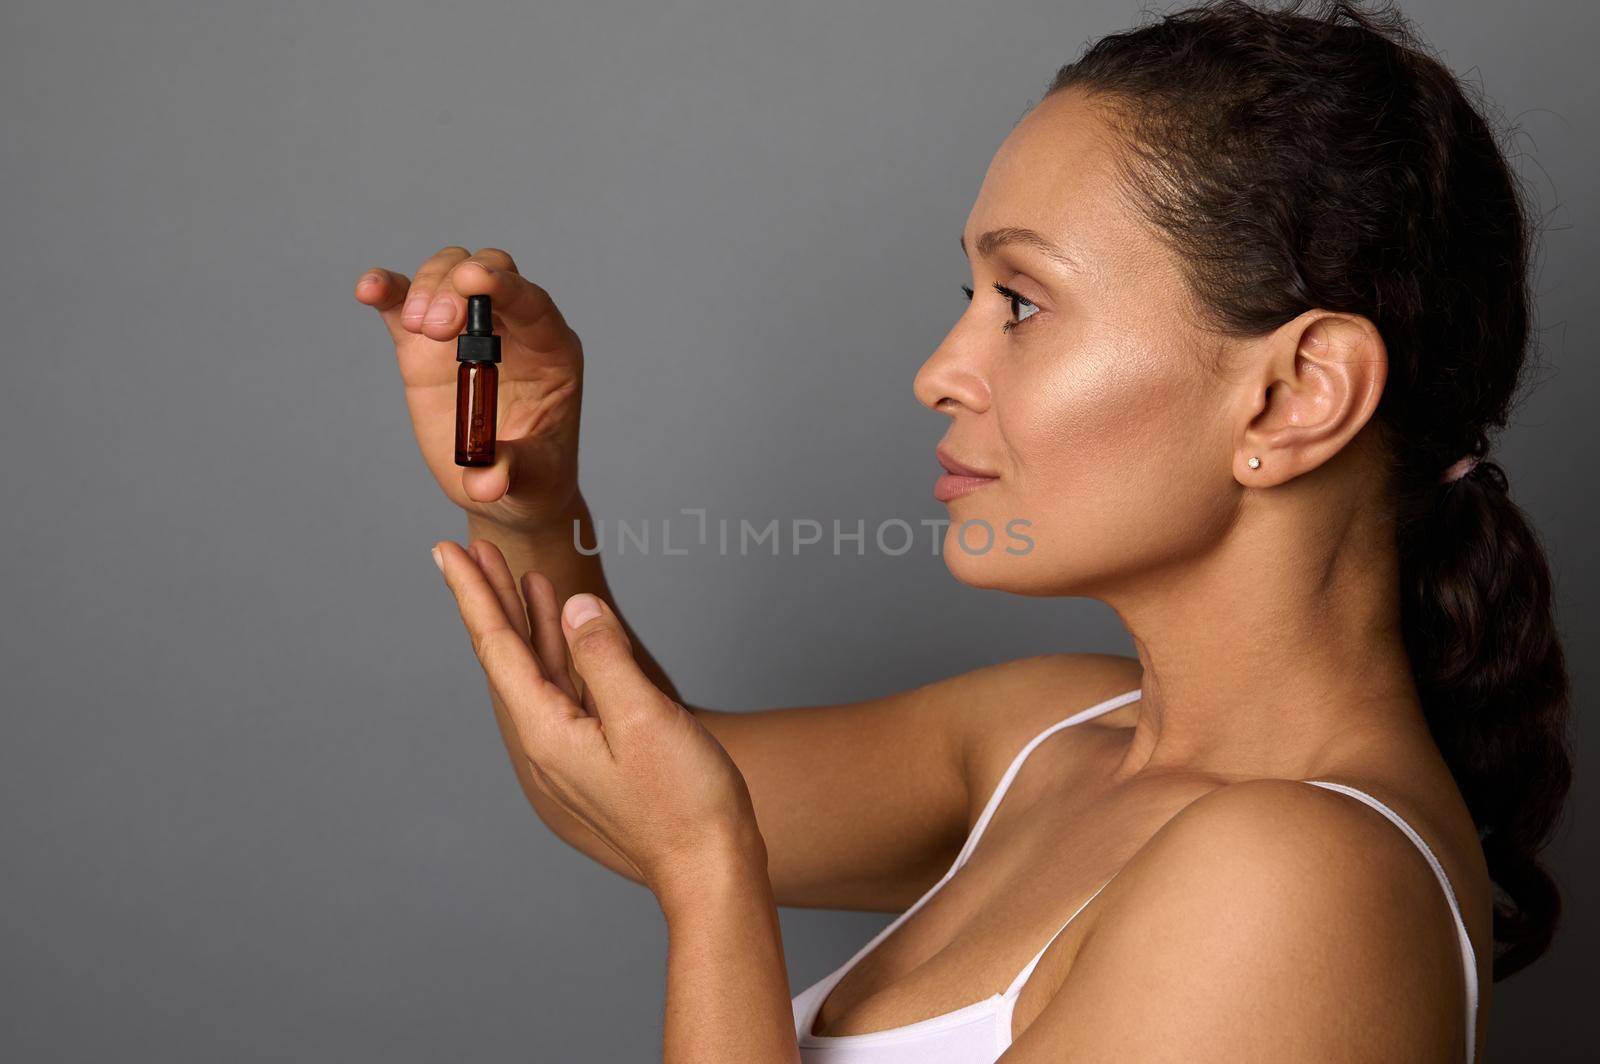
<point x="635" y="766"/>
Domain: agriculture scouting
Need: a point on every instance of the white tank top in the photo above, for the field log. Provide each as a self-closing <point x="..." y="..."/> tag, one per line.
<point x="980" y="1032"/>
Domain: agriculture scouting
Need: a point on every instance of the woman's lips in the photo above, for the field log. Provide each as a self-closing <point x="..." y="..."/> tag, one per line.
<point x="959" y="478"/>
<point x="950" y="486"/>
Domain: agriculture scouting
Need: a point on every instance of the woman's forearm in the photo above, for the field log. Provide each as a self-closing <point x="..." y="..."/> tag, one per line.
<point x="727" y="999"/>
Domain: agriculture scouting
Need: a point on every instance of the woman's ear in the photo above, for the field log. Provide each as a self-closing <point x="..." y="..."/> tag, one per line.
<point x="1308" y="389"/>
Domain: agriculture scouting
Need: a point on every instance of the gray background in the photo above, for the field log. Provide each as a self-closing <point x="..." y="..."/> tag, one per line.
<point x="253" y="803"/>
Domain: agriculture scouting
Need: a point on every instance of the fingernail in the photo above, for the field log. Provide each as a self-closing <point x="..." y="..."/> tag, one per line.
<point x="438" y="558"/>
<point x="370" y="278"/>
<point x="415" y="306"/>
<point x="440" y="312"/>
<point x="581" y="609"/>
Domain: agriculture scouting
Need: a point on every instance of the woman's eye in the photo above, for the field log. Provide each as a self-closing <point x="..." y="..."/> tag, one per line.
<point x="1016" y="299"/>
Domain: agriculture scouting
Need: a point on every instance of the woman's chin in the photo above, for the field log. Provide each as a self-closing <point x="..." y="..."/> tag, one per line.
<point x="992" y="569"/>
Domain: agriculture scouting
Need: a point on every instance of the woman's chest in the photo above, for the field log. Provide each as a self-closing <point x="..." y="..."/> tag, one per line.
<point x="979" y="928"/>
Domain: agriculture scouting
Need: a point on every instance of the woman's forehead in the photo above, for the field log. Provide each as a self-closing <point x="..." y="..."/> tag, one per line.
<point x="1059" y="174"/>
<point x="1056" y="174"/>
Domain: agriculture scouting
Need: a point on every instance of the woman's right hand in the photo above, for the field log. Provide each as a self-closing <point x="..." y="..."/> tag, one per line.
<point x="534" y="479"/>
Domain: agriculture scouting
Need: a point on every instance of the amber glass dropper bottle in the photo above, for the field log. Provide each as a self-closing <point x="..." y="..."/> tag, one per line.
<point x="477" y="385"/>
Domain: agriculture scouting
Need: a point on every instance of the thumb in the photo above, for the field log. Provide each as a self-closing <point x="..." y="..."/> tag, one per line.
<point x="489" y="483"/>
<point x="602" y="654"/>
<point x="519" y="464"/>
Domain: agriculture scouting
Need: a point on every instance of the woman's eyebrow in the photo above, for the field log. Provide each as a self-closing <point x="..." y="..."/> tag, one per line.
<point x="996" y="239"/>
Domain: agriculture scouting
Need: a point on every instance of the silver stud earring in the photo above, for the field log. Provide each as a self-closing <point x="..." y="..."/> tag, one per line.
<point x="1255" y="463"/>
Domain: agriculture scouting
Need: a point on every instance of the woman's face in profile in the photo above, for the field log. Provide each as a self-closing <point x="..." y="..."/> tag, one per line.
<point x="1098" y="411"/>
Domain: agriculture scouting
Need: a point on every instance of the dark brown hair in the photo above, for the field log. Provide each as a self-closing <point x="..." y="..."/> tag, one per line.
<point x="1316" y="155"/>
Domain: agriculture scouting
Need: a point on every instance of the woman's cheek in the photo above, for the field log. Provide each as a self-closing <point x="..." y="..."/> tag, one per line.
<point x="1099" y="417"/>
<point x="1072" y="416"/>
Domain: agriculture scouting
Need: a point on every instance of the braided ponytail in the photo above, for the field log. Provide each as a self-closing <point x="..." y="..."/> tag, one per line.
<point x="1315" y="155"/>
<point x="1480" y="631"/>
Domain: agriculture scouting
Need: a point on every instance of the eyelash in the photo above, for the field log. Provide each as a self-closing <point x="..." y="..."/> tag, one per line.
<point x="1010" y="295"/>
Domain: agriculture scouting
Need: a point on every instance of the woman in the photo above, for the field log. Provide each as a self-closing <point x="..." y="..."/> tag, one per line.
<point x="1250" y="294"/>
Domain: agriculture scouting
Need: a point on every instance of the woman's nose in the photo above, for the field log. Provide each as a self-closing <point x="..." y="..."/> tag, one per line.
<point x="951" y="378"/>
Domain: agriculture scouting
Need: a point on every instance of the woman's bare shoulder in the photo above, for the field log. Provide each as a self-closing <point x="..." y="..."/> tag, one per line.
<point x="1260" y="919"/>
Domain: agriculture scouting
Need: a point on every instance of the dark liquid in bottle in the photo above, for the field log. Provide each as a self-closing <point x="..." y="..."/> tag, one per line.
<point x="477" y="387"/>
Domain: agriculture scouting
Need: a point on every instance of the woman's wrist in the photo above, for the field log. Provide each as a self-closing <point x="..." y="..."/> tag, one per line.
<point x="733" y="864"/>
<point x="564" y="548"/>
<point x="567" y="525"/>
<point x="727" y="984"/>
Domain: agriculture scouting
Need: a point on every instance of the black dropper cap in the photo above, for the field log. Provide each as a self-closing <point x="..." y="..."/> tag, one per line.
<point x="478" y="343"/>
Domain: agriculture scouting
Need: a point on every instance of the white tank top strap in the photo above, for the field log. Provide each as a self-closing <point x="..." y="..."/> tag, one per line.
<point x="1022" y="977"/>
<point x="1114" y="702"/>
<point x="1469" y="958"/>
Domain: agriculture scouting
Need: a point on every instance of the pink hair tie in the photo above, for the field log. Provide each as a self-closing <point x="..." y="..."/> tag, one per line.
<point x="1462" y="467"/>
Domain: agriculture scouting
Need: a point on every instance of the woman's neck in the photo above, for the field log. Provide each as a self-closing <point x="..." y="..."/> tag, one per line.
<point x="1277" y="655"/>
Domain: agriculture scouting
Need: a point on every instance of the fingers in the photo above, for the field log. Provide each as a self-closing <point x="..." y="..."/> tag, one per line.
<point x="437" y="305"/>
<point x="538" y="708"/>
<point x="602" y="654"/>
<point x="548" y="640"/>
<point x="524" y="310"/>
<point x="498" y="573"/>
<point x="425" y="288"/>
<point x="385" y="291"/>
<point x="470" y="275"/>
